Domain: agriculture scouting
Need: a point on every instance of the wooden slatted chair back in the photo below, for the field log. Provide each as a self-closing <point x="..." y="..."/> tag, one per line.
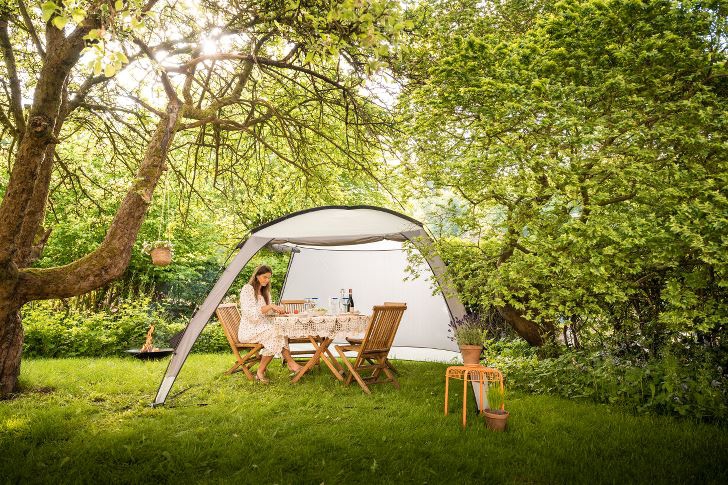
<point x="301" y="355"/>
<point x="382" y="328"/>
<point x="291" y="305"/>
<point x="229" y="317"/>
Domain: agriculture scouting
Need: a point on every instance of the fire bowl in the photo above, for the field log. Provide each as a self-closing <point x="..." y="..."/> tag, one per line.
<point x="151" y="355"/>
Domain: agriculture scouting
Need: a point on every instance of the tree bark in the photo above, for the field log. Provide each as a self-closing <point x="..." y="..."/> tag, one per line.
<point x="530" y="331"/>
<point x="32" y="236"/>
<point x="92" y="271"/>
<point x="11" y="333"/>
<point x="112" y="256"/>
<point x="11" y="348"/>
<point x="63" y="54"/>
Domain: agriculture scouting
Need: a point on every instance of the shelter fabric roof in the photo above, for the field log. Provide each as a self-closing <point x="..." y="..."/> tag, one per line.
<point x="333" y="226"/>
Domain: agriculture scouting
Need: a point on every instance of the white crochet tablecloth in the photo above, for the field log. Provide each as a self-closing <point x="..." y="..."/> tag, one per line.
<point x="335" y="327"/>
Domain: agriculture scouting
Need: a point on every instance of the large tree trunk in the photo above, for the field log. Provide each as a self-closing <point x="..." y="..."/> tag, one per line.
<point x="106" y="263"/>
<point x="533" y="333"/>
<point x="11" y="348"/>
<point x="22" y="208"/>
<point x="63" y="53"/>
<point x="11" y="334"/>
<point x="110" y="259"/>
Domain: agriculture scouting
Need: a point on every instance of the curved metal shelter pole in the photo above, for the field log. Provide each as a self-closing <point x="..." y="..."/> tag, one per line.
<point x="424" y="244"/>
<point x="203" y="314"/>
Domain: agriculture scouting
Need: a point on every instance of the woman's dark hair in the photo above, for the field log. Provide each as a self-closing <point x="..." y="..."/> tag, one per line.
<point x="261" y="290"/>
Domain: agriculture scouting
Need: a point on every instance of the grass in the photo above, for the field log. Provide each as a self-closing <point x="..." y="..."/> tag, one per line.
<point x="89" y="421"/>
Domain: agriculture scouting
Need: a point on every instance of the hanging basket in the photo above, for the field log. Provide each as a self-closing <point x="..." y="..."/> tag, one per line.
<point x="161" y="256"/>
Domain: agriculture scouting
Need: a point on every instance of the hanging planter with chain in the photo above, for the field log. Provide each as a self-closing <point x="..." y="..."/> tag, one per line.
<point x="161" y="256"/>
<point x="161" y="250"/>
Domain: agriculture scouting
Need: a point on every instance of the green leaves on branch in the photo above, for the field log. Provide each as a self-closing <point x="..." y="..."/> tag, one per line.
<point x="124" y="18"/>
<point x="367" y="31"/>
<point x="61" y="15"/>
<point x="104" y="50"/>
<point x="590" y="148"/>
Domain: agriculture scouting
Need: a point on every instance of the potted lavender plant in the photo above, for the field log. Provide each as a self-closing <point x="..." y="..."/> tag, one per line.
<point x="469" y="333"/>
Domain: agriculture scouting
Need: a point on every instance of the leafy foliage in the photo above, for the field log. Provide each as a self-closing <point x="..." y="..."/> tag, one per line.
<point x="587" y="151"/>
<point x="692" y="386"/>
<point x="469" y="330"/>
<point x="79" y="333"/>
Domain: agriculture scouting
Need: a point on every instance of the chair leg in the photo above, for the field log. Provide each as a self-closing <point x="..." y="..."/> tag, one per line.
<point x="389" y="364"/>
<point x="248" y="374"/>
<point x="354" y="373"/>
<point x="389" y="373"/>
<point x="246" y="363"/>
<point x="346" y="376"/>
<point x="391" y="367"/>
<point x="377" y="371"/>
<point x="234" y="368"/>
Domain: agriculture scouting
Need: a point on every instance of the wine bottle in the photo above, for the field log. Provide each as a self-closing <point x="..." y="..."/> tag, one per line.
<point x="350" y="302"/>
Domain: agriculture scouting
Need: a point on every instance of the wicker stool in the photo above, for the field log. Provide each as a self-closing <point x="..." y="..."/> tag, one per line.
<point x="471" y="373"/>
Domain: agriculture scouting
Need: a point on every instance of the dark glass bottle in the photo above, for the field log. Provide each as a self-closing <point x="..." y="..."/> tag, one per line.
<point x="350" y="302"/>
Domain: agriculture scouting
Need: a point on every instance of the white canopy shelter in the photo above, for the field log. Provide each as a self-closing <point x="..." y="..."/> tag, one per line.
<point x="377" y="273"/>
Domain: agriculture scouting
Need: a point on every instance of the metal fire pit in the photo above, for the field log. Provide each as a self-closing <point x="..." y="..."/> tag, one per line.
<point x="151" y="355"/>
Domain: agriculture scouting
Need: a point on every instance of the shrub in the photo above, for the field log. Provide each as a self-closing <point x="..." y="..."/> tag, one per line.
<point x="77" y="333"/>
<point x="696" y="388"/>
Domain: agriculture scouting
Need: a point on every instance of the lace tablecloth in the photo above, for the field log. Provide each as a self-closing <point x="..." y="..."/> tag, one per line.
<point x="335" y="327"/>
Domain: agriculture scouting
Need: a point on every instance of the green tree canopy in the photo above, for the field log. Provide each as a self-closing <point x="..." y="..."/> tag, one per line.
<point x="588" y="143"/>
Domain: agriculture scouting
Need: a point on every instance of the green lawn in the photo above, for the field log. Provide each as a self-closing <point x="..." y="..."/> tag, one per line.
<point x="89" y="420"/>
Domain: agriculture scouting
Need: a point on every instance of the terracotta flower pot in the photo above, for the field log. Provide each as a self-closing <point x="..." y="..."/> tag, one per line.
<point x="161" y="256"/>
<point x="496" y="419"/>
<point x="471" y="354"/>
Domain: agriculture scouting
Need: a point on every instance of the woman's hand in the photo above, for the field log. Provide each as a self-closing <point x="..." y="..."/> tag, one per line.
<point x="280" y="309"/>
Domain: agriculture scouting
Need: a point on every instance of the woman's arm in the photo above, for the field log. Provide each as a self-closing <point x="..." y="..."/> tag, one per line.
<point x="275" y="308"/>
<point x="249" y="307"/>
<point x="249" y="304"/>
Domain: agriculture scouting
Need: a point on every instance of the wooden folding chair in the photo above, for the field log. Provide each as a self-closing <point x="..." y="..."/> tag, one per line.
<point x="371" y="353"/>
<point x="229" y="318"/>
<point x="358" y="341"/>
<point x="300" y="356"/>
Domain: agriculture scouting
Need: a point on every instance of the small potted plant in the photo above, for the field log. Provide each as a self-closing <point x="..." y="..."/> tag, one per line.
<point x="496" y="417"/>
<point x="469" y="332"/>
<point x="160" y="251"/>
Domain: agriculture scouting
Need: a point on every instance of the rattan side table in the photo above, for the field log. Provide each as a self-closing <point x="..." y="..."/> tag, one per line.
<point x="471" y="373"/>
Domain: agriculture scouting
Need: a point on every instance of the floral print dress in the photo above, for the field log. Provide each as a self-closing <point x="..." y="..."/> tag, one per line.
<point x="256" y="327"/>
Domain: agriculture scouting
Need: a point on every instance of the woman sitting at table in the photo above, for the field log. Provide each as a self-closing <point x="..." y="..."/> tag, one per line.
<point x="255" y="326"/>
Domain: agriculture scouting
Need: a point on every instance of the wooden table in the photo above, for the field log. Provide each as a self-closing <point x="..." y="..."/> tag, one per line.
<point x="471" y="373"/>
<point x="327" y="327"/>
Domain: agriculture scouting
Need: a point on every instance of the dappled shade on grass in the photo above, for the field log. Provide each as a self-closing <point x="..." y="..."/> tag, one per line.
<point x="89" y="420"/>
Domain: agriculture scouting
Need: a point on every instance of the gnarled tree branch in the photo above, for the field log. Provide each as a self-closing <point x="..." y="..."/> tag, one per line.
<point x="112" y="256"/>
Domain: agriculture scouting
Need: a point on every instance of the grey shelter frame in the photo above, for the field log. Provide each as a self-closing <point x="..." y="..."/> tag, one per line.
<point x="320" y="226"/>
